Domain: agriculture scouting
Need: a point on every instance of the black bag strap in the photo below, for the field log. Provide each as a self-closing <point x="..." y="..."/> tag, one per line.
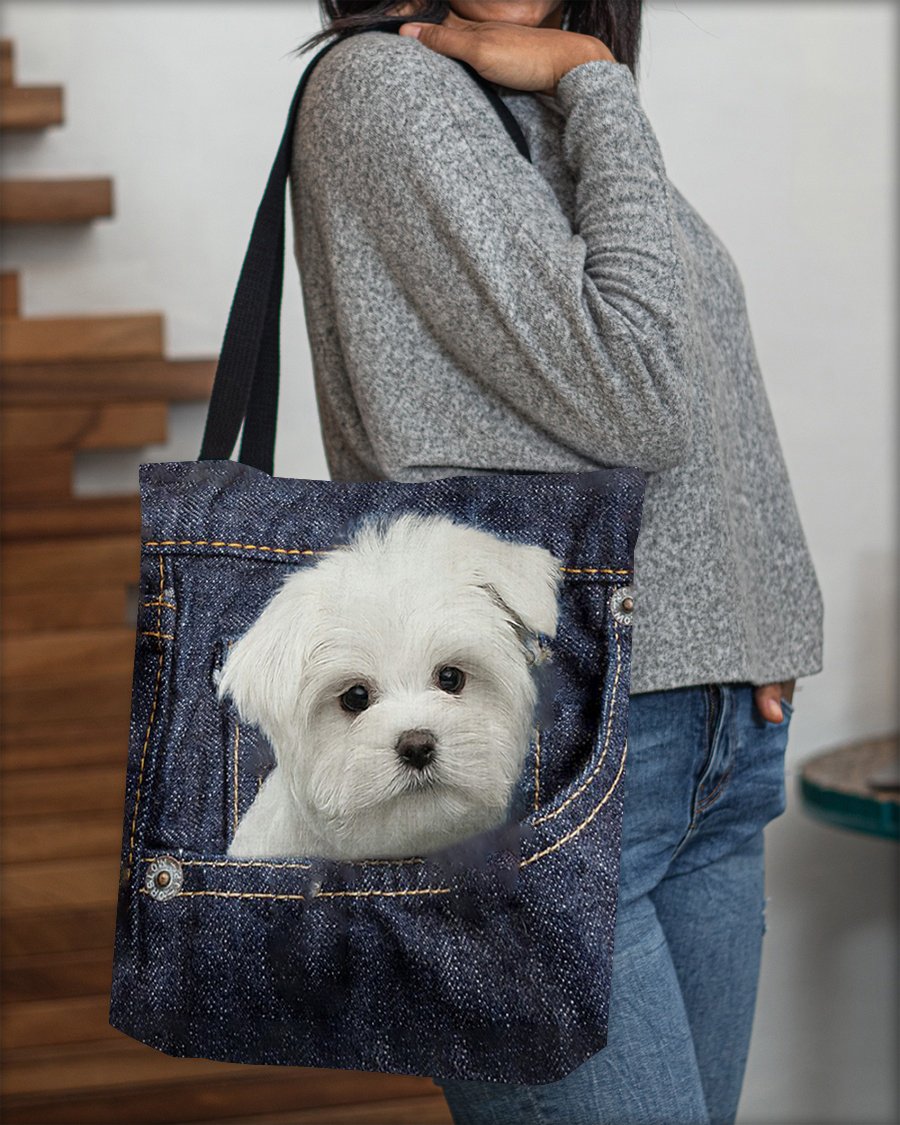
<point x="245" y="390"/>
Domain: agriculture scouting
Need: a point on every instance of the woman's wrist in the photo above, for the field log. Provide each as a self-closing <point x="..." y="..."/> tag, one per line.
<point x="589" y="49"/>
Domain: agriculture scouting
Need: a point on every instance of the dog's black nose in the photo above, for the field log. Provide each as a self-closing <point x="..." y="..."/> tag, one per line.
<point x="416" y="748"/>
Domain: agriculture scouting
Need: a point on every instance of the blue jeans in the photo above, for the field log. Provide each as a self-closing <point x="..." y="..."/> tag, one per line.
<point x="704" y="775"/>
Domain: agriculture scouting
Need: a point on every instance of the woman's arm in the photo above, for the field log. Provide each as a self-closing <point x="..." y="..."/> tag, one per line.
<point x="511" y="54"/>
<point x="581" y="331"/>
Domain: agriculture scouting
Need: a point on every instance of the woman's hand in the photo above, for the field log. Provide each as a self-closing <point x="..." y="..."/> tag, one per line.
<point x="768" y="699"/>
<point x="509" y="54"/>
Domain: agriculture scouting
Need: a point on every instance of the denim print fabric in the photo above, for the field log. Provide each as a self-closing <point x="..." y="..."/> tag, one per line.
<point x="488" y="960"/>
<point x="705" y="776"/>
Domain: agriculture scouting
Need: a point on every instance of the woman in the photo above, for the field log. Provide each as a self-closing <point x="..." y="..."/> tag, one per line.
<point x="471" y="312"/>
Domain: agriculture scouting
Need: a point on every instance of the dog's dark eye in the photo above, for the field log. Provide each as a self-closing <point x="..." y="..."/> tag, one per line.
<point x="355" y="698"/>
<point x="451" y="679"/>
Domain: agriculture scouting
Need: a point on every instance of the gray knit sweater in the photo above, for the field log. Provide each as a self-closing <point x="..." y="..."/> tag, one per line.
<point x="470" y="312"/>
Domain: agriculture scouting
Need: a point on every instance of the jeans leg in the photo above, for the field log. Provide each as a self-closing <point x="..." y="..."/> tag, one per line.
<point x="646" y="1075"/>
<point x="713" y="923"/>
<point x="710" y="904"/>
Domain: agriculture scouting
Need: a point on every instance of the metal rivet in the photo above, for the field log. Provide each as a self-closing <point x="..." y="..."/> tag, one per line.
<point x="621" y="604"/>
<point x="164" y="878"/>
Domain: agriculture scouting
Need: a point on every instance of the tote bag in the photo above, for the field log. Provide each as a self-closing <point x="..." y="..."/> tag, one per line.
<point x="374" y="786"/>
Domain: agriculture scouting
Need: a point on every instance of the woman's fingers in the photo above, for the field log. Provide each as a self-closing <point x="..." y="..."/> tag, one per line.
<point x="768" y="702"/>
<point x="510" y="54"/>
<point x="453" y="36"/>
<point x="768" y="699"/>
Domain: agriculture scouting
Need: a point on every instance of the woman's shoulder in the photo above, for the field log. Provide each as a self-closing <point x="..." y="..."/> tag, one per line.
<point x="381" y="79"/>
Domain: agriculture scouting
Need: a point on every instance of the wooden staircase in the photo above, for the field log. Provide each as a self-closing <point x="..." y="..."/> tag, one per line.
<point x="72" y="383"/>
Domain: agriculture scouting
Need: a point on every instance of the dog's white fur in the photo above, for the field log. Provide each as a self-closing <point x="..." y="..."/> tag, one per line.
<point x="408" y="596"/>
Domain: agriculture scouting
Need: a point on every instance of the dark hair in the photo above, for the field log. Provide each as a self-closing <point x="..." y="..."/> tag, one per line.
<point x="617" y="23"/>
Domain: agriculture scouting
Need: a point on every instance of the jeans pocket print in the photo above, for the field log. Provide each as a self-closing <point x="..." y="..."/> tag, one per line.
<point x="247" y="757"/>
<point x="151" y="700"/>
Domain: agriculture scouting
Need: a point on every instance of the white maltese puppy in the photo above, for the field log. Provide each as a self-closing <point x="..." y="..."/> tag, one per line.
<point x="394" y="681"/>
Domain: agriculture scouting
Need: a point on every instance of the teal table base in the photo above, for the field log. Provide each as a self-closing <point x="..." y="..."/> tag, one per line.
<point x="834" y="788"/>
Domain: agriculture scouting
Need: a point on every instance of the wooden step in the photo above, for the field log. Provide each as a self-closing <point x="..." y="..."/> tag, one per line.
<point x="35" y="479"/>
<point x="39" y="1023"/>
<point x="55" y="976"/>
<point x="114" y="1109"/>
<point x="105" y="698"/>
<point x="75" y="673"/>
<point x="9" y="294"/>
<point x="55" y="201"/>
<point x="45" y="744"/>
<point x="76" y="883"/>
<point x="83" y="609"/>
<point x="39" y="444"/>
<point x="7" y="70"/>
<point x="194" y="1088"/>
<point x="429" y="1110"/>
<point x="184" y="380"/>
<point x="77" y="339"/>
<point x="99" y="574"/>
<point x="39" y="565"/>
<point x="113" y="425"/>
<point x="116" y="1061"/>
<point x="31" y="838"/>
<point x="31" y="107"/>
<point x="79" y="517"/>
<point x="54" y="932"/>
<point x="90" y="789"/>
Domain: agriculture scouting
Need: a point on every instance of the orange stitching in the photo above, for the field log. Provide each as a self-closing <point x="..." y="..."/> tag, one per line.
<point x="225" y="862"/>
<point x="367" y="894"/>
<point x="537" y="767"/>
<point x="230" y="894"/>
<point x="159" y="668"/>
<point x="320" y="894"/>
<point x="162" y="636"/>
<point x="162" y="594"/>
<point x="223" y="543"/>
<point x="168" y="605"/>
<point x="264" y="863"/>
<point x="325" y="550"/>
<point x="578" y="827"/>
<point x="555" y="812"/>
<point x="592" y="570"/>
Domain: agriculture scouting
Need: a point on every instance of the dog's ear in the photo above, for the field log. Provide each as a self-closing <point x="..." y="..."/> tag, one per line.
<point x="524" y="579"/>
<point x="263" y="667"/>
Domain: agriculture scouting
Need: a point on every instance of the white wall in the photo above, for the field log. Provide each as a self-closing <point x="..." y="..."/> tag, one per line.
<point x="776" y="120"/>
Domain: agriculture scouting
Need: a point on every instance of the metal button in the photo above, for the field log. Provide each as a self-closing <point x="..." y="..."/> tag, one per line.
<point x="164" y="878"/>
<point x="621" y="604"/>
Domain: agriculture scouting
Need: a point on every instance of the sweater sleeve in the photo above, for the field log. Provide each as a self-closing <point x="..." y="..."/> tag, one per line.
<point x="580" y="331"/>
